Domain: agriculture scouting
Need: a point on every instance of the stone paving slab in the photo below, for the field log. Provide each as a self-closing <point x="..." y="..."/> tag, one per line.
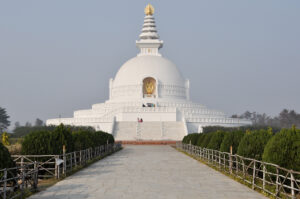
<point x="148" y="172"/>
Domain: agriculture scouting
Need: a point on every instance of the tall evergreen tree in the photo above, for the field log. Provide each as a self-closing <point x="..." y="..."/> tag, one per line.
<point x="4" y="122"/>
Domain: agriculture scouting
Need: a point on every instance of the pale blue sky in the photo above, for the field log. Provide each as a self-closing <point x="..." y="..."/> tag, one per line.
<point x="57" y="56"/>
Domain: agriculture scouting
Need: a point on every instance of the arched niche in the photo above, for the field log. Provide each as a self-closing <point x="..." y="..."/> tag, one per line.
<point x="149" y="87"/>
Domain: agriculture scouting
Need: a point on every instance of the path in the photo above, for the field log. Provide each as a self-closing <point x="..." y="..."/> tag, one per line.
<point x="148" y="172"/>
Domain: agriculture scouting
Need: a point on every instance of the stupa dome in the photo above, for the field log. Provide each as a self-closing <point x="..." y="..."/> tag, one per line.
<point x="136" y="69"/>
<point x="149" y="98"/>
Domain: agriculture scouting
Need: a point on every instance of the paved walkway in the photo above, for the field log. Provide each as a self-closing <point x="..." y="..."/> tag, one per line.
<point x="148" y="172"/>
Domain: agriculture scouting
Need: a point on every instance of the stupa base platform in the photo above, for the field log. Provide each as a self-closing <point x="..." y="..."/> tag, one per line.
<point x="147" y="142"/>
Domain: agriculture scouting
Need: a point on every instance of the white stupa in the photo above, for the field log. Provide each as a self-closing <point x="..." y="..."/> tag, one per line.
<point x="151" y="88"/>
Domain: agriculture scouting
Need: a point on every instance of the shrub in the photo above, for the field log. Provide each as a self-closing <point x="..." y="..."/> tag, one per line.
<point x="22" y="131"/>
<point x="101" y="138"/>
<point x="200" y="138"/>
<point x="206" y="140"/>
<point x="231" y="139"/>
<point x="216" y="140"/>
<point x="37" y="143"/>
<point x="209" y="129"/>
<point x="253" y="143"/>
<point x="61" y="136"/>
<point x="5" y="159"/>
<point x="191" y="138"/>
<point x="83" y="139"/>
<point x="184" y="140"/>
<point x="283" y="149"/>
<point x="74" y="138"/>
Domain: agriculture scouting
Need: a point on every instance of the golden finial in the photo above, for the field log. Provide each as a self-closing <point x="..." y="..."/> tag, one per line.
<point x="149" y="10"/>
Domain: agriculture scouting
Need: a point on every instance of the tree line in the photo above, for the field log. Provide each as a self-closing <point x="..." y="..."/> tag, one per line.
<point x="285" y="119"/>
<point x="281" y="148"/>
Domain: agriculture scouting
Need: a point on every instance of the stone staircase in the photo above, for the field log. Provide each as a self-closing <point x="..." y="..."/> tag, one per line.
<point x="148" y="131"/>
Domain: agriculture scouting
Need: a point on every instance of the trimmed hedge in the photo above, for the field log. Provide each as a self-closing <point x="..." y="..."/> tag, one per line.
<point x="216" y="140"/>
<point x="37" y="143"/>
<point x="283" y="149"/>
<point x="209" y="129"/>
<point x="253" y="143"/>
<point x="51" y="142"/>
<point x="191" y="138"/>
<point x="231" y="139"/>
<point x="205" y="139"/>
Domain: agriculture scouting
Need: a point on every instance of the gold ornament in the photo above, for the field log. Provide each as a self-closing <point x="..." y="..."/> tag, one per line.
<point x="149" y="10"/>
<point x="149" y="87"/>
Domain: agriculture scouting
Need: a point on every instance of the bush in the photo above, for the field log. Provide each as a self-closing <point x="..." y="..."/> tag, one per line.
<point x="253" y="143"/>
<point x="61" y="136"/>
<point x="283" y="149"/>
<point x="191" y="138"/>
<point x="22" y="131"/>
<point x="48" y="143"/>
<point x="51" y="142"/>
<point x="209" y="129"/>
<point x="82" y="139"/>
<point x="37" y="143"/>
<point x="5" y="159"/>
<point x="231" y="139"/>
<point x="101" y="138"/>
<point x="200" y="138"/>
<point x="205" y="140"/>
<point x="216" y="140"/>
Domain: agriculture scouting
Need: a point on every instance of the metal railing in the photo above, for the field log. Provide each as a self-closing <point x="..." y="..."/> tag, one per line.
<point x="31" y="168"/>
<point x="270" y="178"/>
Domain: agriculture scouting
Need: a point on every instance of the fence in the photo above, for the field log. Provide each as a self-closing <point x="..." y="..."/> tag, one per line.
<point x="31" y="168"/>
<point x="270" y="178"/>
<point x="14" y="181"/>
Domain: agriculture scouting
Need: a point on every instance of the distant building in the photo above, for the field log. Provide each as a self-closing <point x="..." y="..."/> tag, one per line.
<point x="150" y="88"/>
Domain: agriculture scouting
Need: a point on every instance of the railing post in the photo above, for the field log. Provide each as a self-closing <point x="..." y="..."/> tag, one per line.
<point x="292" y="185"/>
<point x="244" y="172"/>
<point x="57" y="170"/>
<point x="35" y="175"/>
<point x="23" y="179"/>
<point x="277" y="181"/>
<point x="86" y="158"/>
<point x="4" y="183"/>
<point x="65" y="160"/>
<point x="80" y="157"/>
<point x="253" y="175"/>
<point x="22" y="163"/>
<point x="71" y="161"/>
<point x="75" y="159"/>
<point x="224" y="159"/>
<point x="230" y="160"/>
<point x="236" y="165"/>
<point x="264" y="177"/>
<point x="219" y="159"/>
<point x="89" y="152"/>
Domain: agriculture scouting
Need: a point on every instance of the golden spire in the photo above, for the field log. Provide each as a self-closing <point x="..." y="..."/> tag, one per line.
<point x="149" y="10"/>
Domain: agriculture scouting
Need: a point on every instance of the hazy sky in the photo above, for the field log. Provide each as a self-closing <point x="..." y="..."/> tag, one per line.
<point x="57" y="56"/>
